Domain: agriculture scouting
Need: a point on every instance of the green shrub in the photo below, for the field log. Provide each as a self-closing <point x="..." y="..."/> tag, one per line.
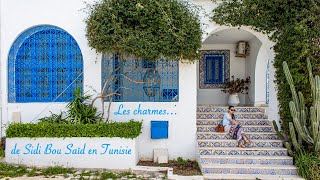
<point x="131" y="129"/>
<point x="56" y="170"/>
<point x="308" y="166"/>
<point x="2" y="146"/>
<point x="181" y="162"/>
<point x="7" y="170"/>
<point x="145" y="29"/>
<point x="80" y="111"/>
<point x="295" y="32"/>
<point x="54" y="118"/>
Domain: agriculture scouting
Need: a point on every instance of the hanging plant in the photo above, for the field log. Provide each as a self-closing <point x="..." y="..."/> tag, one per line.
<point x="146" y="29"/>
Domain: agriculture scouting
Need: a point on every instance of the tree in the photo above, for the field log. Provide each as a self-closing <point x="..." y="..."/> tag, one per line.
<point x="142" y="29"/>
<point x="146" y="29"/>
<point x="294" y="26"/>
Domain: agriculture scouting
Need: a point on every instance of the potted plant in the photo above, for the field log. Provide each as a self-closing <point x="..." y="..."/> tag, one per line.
<point x="235" y="86"/>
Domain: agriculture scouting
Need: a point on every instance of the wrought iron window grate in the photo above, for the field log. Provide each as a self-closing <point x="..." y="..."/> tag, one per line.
<point x="44" y="62"/>
<point x="134" y="80"/>
<point x="214" y="68"/>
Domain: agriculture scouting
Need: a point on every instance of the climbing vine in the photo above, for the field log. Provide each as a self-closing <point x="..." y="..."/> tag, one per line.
<point x="146" y="29"/>
<point x="294" y="27"/>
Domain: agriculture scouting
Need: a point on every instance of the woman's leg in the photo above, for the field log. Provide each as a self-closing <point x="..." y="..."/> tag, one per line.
<point x="243" y="137"/>
<point x="247" y="141"/>
<point x="241" y="144"/>
<point x="239" y="134"/>
<point x="239" y="139"/>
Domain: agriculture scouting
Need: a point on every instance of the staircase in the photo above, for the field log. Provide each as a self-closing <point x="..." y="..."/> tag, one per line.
<point x="220" y="158"/>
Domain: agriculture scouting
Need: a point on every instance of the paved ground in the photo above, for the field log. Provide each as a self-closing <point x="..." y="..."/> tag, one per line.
<point x="139" y="175"/>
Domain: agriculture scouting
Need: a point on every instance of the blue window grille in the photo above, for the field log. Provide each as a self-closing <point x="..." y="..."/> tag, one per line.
<point x="135" y="80"/>
<point x="45" y="64"/>
<point x="148" y="64"/>
<point x="214" y="68"/>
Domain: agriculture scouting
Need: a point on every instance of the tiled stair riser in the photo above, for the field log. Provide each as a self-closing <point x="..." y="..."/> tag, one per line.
<point x="246" y="161"/>
<point x="246" y="129"/>
<point x="242" y="109"/>
<point x="227" y="136"/>
<point x="250" y="177"/>
<point x="245" y="170"/>
<point x="243" y="152"/>
<point x="237" y="116"/>
<point x="214" y="153"/>
<point x="246" y="122"/>
<point x="235" y="144"/>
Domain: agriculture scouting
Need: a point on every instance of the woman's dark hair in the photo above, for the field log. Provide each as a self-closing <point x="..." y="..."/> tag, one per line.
<point x="230" y="107"/>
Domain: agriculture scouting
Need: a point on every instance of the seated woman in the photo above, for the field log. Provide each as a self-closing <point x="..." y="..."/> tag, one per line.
<point x="233" y="127"/>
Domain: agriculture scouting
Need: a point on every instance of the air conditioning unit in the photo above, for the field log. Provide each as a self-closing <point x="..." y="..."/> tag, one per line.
<point x="242" y="49"/>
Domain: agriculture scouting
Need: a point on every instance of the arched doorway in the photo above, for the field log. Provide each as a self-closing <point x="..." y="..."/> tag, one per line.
<point x="221" y="43"/>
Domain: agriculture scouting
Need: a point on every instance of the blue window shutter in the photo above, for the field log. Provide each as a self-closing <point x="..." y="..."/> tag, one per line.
<point x="214" y="69"/>
<point x="45" y="65"/>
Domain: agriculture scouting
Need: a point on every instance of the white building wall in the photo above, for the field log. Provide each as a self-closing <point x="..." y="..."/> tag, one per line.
<point x="255" y="45"/>
<point x="19" y="15"/>
<point x="1" y="42"/>
<point x="237" y="68"/>
<point x="261" y="77"/>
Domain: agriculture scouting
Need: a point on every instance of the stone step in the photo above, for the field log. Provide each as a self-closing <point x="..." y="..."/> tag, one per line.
<point x="250" y="177"/>
<point x="209" y="128"/>
<point x="249" y="169"/>
<point x="237" y="116"/>
<point x="234" y="143"/>
<point x="266" y="160"/>
<point x="239" y="113"/>
<point x="249" y="122"/>
<point x="252" y="136"/>
<point x="210" y="108"/>
<point x="257" y="151"/>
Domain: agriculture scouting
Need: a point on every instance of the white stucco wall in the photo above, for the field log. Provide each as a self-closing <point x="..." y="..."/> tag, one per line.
<point x="265" y="53"/>
<point x="69" y="16"/>
<point x="19" y="15"/>
<point x="237" y="68"/>
<point x="109" y="153"/>
<point x="181" y="117"/>
<point x="255" y="45"/>
<point x="1" y="69"/>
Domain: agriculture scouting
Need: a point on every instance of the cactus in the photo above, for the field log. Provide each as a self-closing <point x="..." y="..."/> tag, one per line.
<point x="305" y="123"/>
<point x="288" y="146"/>
<point x="276" y="128"/>
<point x="295" y="143"/>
